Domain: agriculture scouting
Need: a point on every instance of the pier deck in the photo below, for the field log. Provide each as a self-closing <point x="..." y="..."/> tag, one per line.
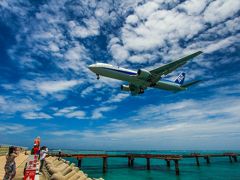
<point x="167" y="157"/>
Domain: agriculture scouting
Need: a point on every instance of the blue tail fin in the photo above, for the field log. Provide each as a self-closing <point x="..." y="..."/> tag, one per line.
<point x="180" y="79"/>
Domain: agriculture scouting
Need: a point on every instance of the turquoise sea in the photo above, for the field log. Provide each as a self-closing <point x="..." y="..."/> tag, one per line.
<point x="219" y="168"/>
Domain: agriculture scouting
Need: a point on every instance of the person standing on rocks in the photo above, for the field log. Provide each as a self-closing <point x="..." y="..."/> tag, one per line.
<point x="43" y="154"/>
<point x="10" y="166"/>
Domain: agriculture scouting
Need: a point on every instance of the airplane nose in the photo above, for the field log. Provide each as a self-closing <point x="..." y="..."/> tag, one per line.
<point x="92" y="67"/>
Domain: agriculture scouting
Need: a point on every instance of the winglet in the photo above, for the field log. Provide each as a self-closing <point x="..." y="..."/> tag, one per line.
<point x="191" y="56"/>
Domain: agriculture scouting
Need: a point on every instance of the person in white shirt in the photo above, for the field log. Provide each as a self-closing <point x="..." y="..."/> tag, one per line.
<point x="43" y="154"/>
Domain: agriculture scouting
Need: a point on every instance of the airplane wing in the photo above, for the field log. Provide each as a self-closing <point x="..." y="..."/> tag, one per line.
<point x="168" y="68"/>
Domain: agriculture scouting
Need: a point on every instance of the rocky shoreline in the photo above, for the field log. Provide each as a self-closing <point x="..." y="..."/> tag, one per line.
<point x="59" y="169"/>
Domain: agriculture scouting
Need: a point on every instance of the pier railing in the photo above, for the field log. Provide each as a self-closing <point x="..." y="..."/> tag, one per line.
<point x="167" y="157"/>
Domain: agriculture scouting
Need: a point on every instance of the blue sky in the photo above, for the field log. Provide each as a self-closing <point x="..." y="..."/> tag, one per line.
<point x="46" y="88"/>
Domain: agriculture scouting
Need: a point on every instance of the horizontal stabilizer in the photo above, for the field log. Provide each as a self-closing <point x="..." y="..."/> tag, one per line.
<point x="191" y="83"/>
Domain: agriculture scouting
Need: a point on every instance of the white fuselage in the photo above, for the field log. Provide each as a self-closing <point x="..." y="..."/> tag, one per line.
<point x="130" y="76"/>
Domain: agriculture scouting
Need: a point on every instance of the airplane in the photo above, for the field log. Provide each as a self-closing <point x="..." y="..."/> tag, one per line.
<point x="140" y="80"/>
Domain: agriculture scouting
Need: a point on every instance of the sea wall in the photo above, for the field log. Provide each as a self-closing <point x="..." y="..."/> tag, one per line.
<point x="60" y="169"/>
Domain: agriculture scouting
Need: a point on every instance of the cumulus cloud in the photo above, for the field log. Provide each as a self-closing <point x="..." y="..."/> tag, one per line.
<point x="118" y="51"/>
<point x="46" y="86"/>
<point x="164" y="33"/>
<point x="13" y="128"/>
<point x="55" y="86"/>
<point x="162" y="27"/>
<point x="98" y="112"/>
<point x="194" y="7"/>
<point x="10" y="105"/>
<point x="36" y="115"/>
<point x="71" y="112"/>
<point x="146" y="9"/>
<point x="221" y="44"/>
<point x="117" y="98"/>
<point x="169" y="125"/>
<point x="91" y="28"/>
<point x="220" y="10"/>
<point x="132" y="19"/>
<point x="87" y="91"/>
<point x="66" y="133"/>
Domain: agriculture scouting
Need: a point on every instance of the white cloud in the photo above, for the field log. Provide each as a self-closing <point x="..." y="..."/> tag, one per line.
<point x="66" y="133"/>
<point x="156" y="32"/>
<point x="214" y="46"/>
<point x="9" y="105"/>
<point x="205" y="123"/>
<point x="220" y="10"/>
<point x="146" y="9"/>
<point x="161" y="26"/>
<point x="98" y="112"/>
<point x="117" y="98"/>
<point x="36" y="115"/>
<point x="76" y="114"/>
<point x="119" y="52"/>
<point x="87" y="91"/>
<point x="65" y="110"/>
<point x="46" y="86"/>
<point x="132" y="19"/>
<point x="55" y="86"/>
<point x="194" y="7"/>
<point x="53" y="47"/>
<point x="12" y="128"/>
<point x="91" y="28"/>
<point x="71" y="112"/>
<point x="141" y="58"/>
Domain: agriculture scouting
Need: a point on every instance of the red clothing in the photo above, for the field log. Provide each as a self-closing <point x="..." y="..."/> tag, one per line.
<point x="35" y="150"/>
<point x="37" y="142"/>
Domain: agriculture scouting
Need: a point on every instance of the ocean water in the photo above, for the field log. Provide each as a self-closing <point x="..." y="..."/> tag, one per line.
<point x="219" y="168"/>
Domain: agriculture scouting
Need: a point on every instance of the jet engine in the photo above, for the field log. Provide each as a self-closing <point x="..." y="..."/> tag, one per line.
<point x="143" y="74"/>
<point x="125" y="88"/>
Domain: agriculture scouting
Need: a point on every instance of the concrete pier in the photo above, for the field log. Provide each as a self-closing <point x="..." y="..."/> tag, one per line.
<point x="168" y="158"/>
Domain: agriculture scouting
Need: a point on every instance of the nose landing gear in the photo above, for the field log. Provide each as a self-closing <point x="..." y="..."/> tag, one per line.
<point x="98" y="77"/>
<point x="141" y="91"/>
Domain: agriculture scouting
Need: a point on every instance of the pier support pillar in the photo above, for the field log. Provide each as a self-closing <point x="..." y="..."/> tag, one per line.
<point x="132" y="162"/>
<point x="230" y="159"/>
<point x="104" y="164"/>
<point x="79" y="162"/>
<point x="207" y="159"/>
<point x="197" y="160"/>
<point x="177" y="167"/>
<point x="168" y="162"/>
<point x="148" y="163"/>
<point x="129" y="161"/>
<point x="235" y="158"/>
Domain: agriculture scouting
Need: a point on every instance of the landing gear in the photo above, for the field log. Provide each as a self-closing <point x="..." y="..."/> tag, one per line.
<point x="98" y="77"/>
<point x="153" y="84"/>
<point x="141" y="91"/>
